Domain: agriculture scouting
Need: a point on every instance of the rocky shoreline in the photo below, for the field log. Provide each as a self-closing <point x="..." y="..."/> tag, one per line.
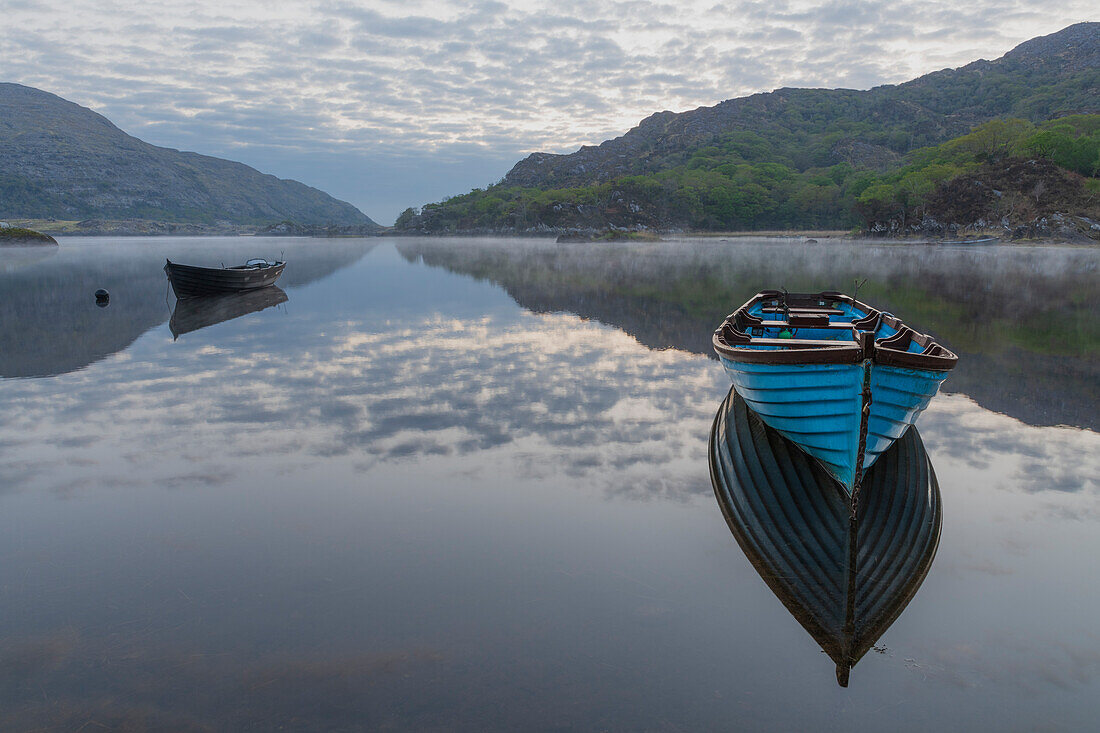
<point x="1015" y="199"/>
<point x="1056" y="227"/>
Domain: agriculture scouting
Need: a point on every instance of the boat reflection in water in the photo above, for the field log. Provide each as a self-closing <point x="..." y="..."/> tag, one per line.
<point x="845" y="576"/>
<point x="191" y="314"/>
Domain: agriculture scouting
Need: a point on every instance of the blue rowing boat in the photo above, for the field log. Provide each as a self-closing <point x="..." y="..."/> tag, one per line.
<point x="840" y="379"/>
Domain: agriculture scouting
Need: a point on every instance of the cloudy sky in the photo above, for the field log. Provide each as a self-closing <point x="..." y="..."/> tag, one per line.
<point x="389" y="103"/>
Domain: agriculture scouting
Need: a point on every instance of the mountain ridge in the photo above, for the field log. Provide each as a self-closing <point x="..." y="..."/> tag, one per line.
<point x="571" y="169"/>
<point x="65" y="161"/>
<point x="819" y="158"/>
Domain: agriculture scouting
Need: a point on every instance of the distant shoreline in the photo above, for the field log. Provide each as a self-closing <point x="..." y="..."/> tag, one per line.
<point x="147" y="228"/>
<point x="811" y="235"/>
<point x="808" y="238"/>
<point x="152" y="228"/>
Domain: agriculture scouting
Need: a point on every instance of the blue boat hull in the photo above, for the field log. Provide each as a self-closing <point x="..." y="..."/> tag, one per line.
<point x="838" y="378"/>
<point x="819" y="407"/>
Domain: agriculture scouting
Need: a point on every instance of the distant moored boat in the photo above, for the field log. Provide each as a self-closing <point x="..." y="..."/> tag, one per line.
<point x="980" y="240"/>
<point x="190" y="280"/>
<point x="840" y="379"/>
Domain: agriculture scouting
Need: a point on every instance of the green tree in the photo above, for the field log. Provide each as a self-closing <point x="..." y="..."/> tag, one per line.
<point x="406" y="218"/>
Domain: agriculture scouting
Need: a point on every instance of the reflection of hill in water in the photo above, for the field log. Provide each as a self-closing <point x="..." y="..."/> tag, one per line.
<point x="1020" y="318"/>
<point x="846" y="581"/>
<point x="50" y="324"/>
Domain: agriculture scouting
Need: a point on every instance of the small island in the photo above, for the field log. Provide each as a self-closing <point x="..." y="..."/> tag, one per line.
<point x="18" y="236"/>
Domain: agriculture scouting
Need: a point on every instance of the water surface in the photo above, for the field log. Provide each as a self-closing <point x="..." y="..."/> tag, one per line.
<point x="454" y="484"/>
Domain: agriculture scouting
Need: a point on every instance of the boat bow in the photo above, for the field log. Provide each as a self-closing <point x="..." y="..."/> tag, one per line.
<point x="837" y="377"/>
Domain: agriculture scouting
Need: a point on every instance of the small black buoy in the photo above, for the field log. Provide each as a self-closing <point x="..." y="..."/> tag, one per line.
<point x="102" y="298"/>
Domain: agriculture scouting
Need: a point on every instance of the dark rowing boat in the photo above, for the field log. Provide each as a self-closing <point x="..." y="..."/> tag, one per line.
<point x="844" y="578"/>
<point x="189" y="281"/>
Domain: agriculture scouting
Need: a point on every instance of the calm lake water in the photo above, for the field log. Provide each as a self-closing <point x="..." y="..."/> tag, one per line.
<point x="464" y="485"/>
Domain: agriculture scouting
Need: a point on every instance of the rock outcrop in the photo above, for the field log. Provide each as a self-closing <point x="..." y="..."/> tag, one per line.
<point x="19" y="236"/>
<point x="932" y="108"/>
<point x="1015" y="198"/>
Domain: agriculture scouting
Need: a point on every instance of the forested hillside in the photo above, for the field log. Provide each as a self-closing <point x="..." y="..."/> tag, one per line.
<point x="807" y="158"/>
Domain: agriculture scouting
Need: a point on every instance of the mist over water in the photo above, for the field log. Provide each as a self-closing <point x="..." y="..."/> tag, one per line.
<point x="452" y="484"/>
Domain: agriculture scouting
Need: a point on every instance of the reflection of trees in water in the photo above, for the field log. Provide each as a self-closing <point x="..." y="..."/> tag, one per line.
<point x="1021" y="318"/>
<point x="50" y="324"/>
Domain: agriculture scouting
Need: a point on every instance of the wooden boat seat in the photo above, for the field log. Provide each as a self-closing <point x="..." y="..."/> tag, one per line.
<point x="804" y="309"/>
<point x="899" y="341"/>
<point x="800" y="343"/>
<point x="869" y="322"/>
<point x="835" y="326"/>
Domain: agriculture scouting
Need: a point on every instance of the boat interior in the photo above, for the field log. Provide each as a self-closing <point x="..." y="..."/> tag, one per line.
<point x="833" y="324"/>
<point x="256" y="264"/>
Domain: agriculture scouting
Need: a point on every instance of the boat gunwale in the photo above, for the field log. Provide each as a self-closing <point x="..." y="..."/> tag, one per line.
<point x="235" y="270"/>
<point x="189" y="281"/>
<point x="934" y="356"/>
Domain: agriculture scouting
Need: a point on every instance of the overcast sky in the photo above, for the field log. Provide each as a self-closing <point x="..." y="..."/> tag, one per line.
<point x="388" y="104"/>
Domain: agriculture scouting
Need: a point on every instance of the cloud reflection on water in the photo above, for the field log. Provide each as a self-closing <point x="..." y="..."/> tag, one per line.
<point x="1020" y="318"/>
<point x="559" y="393"/>
<point x="1015" y="456"/>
